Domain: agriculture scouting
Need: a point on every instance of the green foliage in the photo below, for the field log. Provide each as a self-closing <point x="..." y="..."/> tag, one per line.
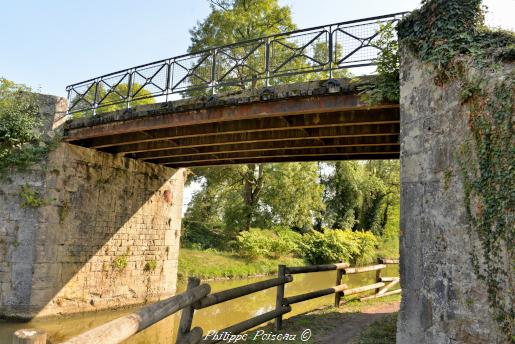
<point x="389" y="241"/>
<point x="211" y="264"/>
<point x="150" y="266"/>
<point x="385" y="87"/>
<point x="358" y="194"/>
<point x="451" y="36"/>
<point x="334" y="245"/>
<point x="22" y="142"/>
<point x="256" y="243"/>
<point x="202" y="235"/>
<point x="234" y="198"/>
<point x="233" y="21"/>
<point x="31" y="198"/>
<point x="113" y="101"/>
<point x="120" y="263"/>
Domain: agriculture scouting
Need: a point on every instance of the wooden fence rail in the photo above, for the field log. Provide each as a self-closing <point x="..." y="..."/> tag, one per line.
<point x="122" y="328"/>
<point x="198" y="296"/>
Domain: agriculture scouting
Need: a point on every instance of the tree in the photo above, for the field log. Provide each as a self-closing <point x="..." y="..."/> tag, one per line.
<point x="236" y="198"/>
<point x="22" y="140"/>
<point x="358" y="195"/>
<point x="110" y="99"/>
<point x="293" y="195"/>
<point x="233" y="21"/>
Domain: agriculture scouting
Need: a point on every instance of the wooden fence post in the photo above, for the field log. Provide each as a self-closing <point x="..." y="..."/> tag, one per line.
<point x="378" y="274"/>
<point x="279" y="299"/>
<point x="338" y="295"/>
<point x="29" y="336"/>
<point x="187" y="313"/>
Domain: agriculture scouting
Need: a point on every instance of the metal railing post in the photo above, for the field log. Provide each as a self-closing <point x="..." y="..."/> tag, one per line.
<point x="168" y="78"/>
<point x="95" y="104"/>
<point x="267" y="62"/>
<point x="279" y="299"/>
<point x="187" y="313"/>
<point x="129" y="89"/>
<point x="330" y="52"/>
<point x="213" y="72"/>
<point x="334" y="62"/>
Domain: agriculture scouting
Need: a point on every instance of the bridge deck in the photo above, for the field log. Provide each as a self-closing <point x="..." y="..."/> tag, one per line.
<point x="299" y="122"/>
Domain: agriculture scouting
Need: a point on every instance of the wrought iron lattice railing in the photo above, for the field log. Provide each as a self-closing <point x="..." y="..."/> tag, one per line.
<point x="319" y="53"/>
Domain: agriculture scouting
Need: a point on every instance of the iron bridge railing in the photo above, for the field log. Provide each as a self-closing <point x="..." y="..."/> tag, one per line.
<point x="321" y="52"/>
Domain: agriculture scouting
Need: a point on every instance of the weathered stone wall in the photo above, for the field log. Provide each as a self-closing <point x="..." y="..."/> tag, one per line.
<point x="107" y="234"/>
<point x="443" y="300"/>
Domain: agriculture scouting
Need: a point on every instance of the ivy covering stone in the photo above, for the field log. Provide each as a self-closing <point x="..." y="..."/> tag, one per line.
<point x="452" y="37"/>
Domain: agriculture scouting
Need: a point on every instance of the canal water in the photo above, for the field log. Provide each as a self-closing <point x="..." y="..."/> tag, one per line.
<point x="212" y="318"/>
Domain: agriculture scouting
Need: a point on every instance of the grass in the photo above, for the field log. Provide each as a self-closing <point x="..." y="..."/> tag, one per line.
<point x="380" y="332"/>
<point x="325" y="321"/>
<point x="211" y="264"/>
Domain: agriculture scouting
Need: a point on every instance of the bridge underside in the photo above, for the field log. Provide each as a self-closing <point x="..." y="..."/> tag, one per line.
<point x="312" y="123"/>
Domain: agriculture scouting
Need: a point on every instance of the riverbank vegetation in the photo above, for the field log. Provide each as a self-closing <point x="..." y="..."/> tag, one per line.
<point x="212" y="264"/>
<point x="308" y="213"/>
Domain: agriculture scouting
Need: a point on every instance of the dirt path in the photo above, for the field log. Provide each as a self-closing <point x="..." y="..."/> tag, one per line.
<point x="349" y="325"/>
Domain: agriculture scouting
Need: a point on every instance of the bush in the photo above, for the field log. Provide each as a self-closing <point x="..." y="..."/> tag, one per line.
<point x="367" y="244"/>
<point x="272" y="243"/>
<point x="22" y="142"/>
<point x="334" y="245"/>
<point x="255" y="243"/>
<point x="201" y="236"/>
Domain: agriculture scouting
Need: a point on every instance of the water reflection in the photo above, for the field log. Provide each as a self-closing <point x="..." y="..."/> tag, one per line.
<point x="212" y="318"/>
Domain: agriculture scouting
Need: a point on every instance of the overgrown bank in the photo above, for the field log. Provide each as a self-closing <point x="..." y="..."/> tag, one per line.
<point x="212" y="264"/>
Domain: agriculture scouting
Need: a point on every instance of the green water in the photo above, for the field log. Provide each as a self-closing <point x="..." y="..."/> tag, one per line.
<point x="212" y="318"/>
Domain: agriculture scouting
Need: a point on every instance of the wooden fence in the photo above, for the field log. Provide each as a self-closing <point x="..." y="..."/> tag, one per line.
<point x="198" y="296"/>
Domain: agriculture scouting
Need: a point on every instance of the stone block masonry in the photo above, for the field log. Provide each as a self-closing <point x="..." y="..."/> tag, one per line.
<point x="106" y="234"/>
<point x="443" y="300"/>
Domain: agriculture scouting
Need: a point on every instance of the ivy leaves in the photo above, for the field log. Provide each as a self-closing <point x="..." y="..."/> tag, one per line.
<point x="451" y="36"/>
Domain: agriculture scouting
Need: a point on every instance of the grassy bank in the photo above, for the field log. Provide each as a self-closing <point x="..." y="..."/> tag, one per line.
<point x="211" y="264"/>
<point x="356" y="322"/>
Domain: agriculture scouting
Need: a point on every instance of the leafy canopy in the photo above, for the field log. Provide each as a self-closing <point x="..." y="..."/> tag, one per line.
<point x="22" y="141"/>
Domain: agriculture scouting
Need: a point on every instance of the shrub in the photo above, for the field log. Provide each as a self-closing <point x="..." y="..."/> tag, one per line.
<point x="201" y="236"/>
<point x="335" y="244"/>
<point x="255" y="243"/>
<point x="21" y="141"/>
<point x="367" y="244"/>
<point x="272" y="243"/>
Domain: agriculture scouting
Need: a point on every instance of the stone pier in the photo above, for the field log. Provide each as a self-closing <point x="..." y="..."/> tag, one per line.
<point x="106" y="233"/>
<point x="443" y="300"/>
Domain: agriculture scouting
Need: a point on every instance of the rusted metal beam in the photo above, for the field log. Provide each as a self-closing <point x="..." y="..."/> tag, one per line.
<point x="285" y="153"/>
<point x="270" y="145"/>
<point x="293" y="134"/>
<point x="383" y="156"/>
<point x="318" y="120"/>
<point x="284" y="107"/>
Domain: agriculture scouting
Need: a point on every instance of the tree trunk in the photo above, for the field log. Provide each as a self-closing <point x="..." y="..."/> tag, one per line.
<point x="253" y="182"/>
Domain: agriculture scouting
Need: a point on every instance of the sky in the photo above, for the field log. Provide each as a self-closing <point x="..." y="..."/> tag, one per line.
<point x="53" y="43"/>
